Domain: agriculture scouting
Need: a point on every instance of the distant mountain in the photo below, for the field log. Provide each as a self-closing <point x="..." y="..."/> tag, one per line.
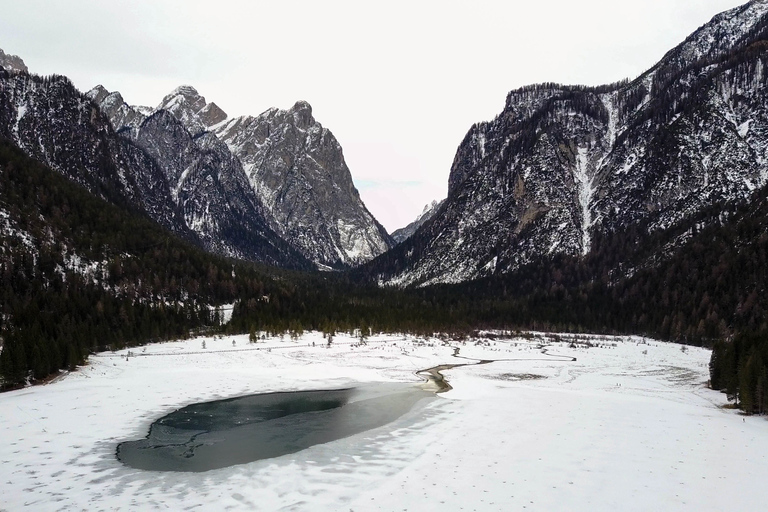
<point x="297" y="169"/>
<point x="292" y="166"/>
<point x="206" y="183"/>
<point x="429" y="211"/>
<point x="12" y="62"/>
<point x="51" y="121"/>
<point x="562" y="164"/>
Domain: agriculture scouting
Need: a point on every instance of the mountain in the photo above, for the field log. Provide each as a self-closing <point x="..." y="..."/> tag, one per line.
<point x="54" y="123"/>
<point x="293" y="168"/>
<point x="81" y="274"/>
<point x="206" y="183"/>
<point x="12" y="62"/>
<point x="297" y="169"/>
<point x="429" y="211"/>
<point x="186" y="105"/>
<point x="562" y="164"/>
<point x="51" y="121"/>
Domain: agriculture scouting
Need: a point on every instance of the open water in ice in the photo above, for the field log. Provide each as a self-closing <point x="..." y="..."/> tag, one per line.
<point x="222" y="433"/>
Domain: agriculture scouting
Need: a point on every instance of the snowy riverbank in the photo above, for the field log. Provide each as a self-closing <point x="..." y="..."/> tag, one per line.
<point x="627" y="426"/>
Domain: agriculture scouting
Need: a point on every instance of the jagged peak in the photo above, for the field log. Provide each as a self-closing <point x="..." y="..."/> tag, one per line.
<point x="183" y="94"/>
<point x="211" y="114"/>
<point x="184" y="90"/>
<point x="302" y="105"/>
<point x="97" y="94"/>
<point x="186" y="103"/>
<point x="302" y="114"/>
<point x="12" y="62"/>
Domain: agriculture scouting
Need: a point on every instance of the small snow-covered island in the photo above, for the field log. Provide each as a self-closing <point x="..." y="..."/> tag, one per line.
<point x="530" y="421"/>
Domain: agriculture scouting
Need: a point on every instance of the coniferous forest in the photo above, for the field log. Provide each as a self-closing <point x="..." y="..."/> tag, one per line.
<point x="80" y="275"/>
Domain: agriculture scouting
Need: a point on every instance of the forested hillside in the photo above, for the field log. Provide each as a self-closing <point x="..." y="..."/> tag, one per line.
<point x="79" y="274"/>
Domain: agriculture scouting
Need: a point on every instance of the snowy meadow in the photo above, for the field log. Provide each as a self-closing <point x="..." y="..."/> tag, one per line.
<point x="555" y="422"/>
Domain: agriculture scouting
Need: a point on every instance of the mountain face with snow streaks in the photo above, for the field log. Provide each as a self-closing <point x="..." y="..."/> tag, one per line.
<point x="186" y="105"/>
<point x="297" y="169"/>
<point x="402" y="234"/>
<point x="281" y="166"/>
<point x="51" y="121"/>
<point x="562" y="163"/>
<point x="206" y="182"/>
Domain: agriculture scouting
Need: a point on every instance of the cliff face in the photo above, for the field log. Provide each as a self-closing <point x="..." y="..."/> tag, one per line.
<point x="282" y="167"/>
<point x="12" y="62"/>
<point x="297" y="169"/>
<point x="206" y="183"/>
<point x="562" y="163"/>
<point x="54" y="123"/>
<point x="402" y="234"/>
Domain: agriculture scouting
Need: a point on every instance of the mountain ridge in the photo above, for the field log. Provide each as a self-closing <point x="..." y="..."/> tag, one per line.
<point x="297" y="171"/>
<point x="562" y="163"/>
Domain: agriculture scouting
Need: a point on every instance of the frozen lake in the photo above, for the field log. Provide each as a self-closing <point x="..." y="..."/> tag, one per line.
<point x="222" y="433"/>
<point x="557" y="423"/>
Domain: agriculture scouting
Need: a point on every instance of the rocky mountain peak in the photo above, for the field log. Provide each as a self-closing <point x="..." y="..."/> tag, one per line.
<point x="297" y="169"/>
<point x="189" y="107"/>
<point x="430" y="209"/>
<point x="12" y="62"/>
<point x="120" y="114"/>
<point x="287" y="166"/>
<point x="97" y="94"/>
<point x="302" y="114"/>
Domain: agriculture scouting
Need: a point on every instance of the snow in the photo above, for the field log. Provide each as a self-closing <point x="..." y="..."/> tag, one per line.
<point x="586" y="191"/>
<point x="357" y="242"/>
<point x="628" y="426"/>
<point x="21" y="111"/>
<point x="743" y="128"/>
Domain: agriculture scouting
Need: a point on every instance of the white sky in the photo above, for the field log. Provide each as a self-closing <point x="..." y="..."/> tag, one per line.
<point x="399" y="83"/>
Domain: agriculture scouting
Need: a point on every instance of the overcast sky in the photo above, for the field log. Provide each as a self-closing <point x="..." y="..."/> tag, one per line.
<point x="399" y="83"/>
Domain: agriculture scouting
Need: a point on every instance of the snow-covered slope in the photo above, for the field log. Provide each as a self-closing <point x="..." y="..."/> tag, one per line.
<point x="427" y="213"/>
<point x="561" y="163"/>
<point x="628" y="425"/>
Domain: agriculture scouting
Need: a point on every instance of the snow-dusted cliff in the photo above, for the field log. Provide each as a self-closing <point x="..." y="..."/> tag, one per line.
<point x="561" y="163"/>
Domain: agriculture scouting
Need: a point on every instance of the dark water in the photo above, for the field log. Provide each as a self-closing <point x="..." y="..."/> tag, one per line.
<point x="213" y="435"/>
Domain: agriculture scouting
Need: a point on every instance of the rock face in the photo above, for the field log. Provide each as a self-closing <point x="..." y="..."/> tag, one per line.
<point x="186" y="105"/>
<point x="54" y="123"/>
<point x="297" y="169"/>
<point x="206" y="183"/>
<point x="281" y="166"/>
<point x="560" y="163"/>
<point x="402" y="234"/>
<point x="12" y="62"/>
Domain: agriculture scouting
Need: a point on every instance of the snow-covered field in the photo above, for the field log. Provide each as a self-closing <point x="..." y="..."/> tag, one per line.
<point x="629" y="425"/>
